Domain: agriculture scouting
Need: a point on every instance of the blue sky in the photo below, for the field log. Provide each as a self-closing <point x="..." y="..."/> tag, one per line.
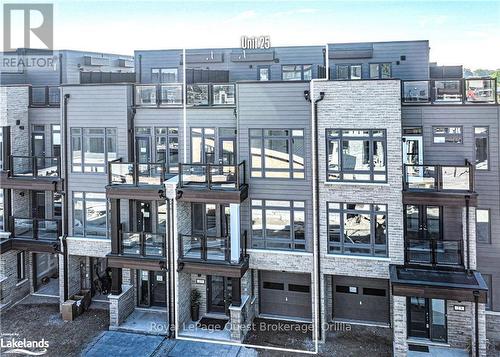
<point x="460" y="32"/>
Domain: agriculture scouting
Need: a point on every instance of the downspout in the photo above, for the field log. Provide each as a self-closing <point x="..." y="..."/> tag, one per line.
<point x="169" y="271"/>
<point x="65" y="198"/>
<point x="467" y="231"/>
<point x="139" y="72"/>
<point x="172" y="264"/>
<point x="316" y="188"/>
<point x="60" y="68"/>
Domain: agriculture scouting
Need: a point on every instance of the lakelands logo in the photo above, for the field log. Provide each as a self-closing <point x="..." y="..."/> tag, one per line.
<point x="24" y="346"/>
<point x="28" y="26"/>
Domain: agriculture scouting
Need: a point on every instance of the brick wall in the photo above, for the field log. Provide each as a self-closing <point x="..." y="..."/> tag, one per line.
<point x="120" y="306"/>
<point x="12" y="290"/>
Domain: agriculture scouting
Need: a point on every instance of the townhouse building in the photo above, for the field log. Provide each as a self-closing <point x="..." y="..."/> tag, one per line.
<point x="353" y="183"/>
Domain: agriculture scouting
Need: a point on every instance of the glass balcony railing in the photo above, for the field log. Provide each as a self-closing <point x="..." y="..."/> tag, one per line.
<point x="35" y="166"/>
<point x="212" y="177"/>
<point x="36" y="228"/>
<point x="136" y="174"/>
<point x="47" y="96"/>
<point x="171" y="95"/>
<point x="434" y="252"/>
<point x="439" y="178"/>
<point x="198" y="247"/>
<point x="450" y="91"/>
<point x="143" y="244"/>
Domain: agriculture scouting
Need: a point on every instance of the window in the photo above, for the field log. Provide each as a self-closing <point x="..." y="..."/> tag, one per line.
<point x="264" y="73"/>
<point x="488" y="280"/>
<point x="296" y="72"/>
<point x="57" y="206"/>
<point x="21" y="266"/>
<point x="89" y="214"/>
<point x="346" y="289"/>
<point x="374" y="292"/>
<point x="1" y="210"/>
<point x="278" y="224"/>
<point x="299" y="288"/>
<point x="447" y="135"/>
<point x="273" y="286"/>
<point x="349" y="71"/>
<point x="356" y="155"/>
<point x="92" y="148"/>
<point x="56" y="140"/>
<point x="223" y="94"/>
<point x="380" y="70"/>
<point x="277" y="153"/>
<point x="202" y="145"/>
<point x="164" y="75"/>
<point x="483" y="228"/>
<point x="1" y="148"/>
<point x="167" y="147"/>
<point x="357" y="229"/>
<point x="481" y="139"/>
<point x="480" y="90"/>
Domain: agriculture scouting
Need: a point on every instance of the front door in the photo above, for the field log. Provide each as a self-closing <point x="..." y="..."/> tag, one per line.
<point x="38" y="204"/>
<point x="151" y="288"/>
<point x="422" y="229"/>
<point x="427" y="319"/>
<point x="413" y="150"/>
<point x="218" y="294"/>
<point x="38" y="144"/>
<point x="144" y="216"/>
<point x="143" y="149"/>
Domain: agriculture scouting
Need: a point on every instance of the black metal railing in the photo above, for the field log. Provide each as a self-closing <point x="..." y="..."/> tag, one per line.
<point x="143" y="244"/>
<point x="35" y="228"/>
<point x="171" y="94"/>
<point x="434" y="252"/>
<point x="45" y="96"/>
<point x="449" y="91"/>
<point x="213" y="176"/>
<point x="438" y="178"/>
<point x="199" y="247"/>
<point x="35" y="166"/>
<point x="136" y="174"/>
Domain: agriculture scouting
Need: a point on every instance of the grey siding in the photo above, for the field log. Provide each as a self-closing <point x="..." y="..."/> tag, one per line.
<point x="275" y="105"/>
<point x="415" y="66"/>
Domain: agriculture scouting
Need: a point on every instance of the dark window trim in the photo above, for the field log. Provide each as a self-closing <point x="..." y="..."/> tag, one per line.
<point x="341" y="211"/>
<point x="21" y="266"/>
<point x="259" y="67"/>
<point x="380" y="70"/>
<point x="349" y="65"/>
<point x="263" y="169"/>
<point x="203" y="139"/>
<point x="290" y="240"/>
<point x="82" y="136"/>
<point x="159" y="74"/>
<point x="489" y="226"/>
<point x="301" y="72"/>
<point x="84" y="211"/>
<point x="371" y="171"/>
<point x="487" y="136"/>
<point x="445" y="135"/>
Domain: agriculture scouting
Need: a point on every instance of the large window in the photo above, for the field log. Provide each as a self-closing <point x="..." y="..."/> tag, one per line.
<point x="481" y="139"/>
<point x="56" y="140"/>
<point x="447" y="135"/>
<point x="167" y="147"/>
<point x="277" y="153"/>
<point x="90" y="214"/>
<point x="92" y="148"/>
<point x="356" y="155"/>
<point x="357" y="229"/>
<point x="264" y="73"/>
<point x="349" y="71"/>
<point x="278" y="224"/>
<point x="488" y="280"/>
<point x="380" y="70"/>
<point x="164" y="75"/>
<point x="296" y="72"/>
<point x="483" y="228"/>
<point x="21" y="266"/>
<point x="202" y="145"/>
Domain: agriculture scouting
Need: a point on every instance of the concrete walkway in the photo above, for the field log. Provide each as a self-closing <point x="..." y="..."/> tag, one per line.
<point x="123" y="344"/>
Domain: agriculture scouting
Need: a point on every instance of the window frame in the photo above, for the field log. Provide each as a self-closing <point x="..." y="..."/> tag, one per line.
<point x="160" y="74"/>
<point x="349" y="71"/>
<point x="342" y="210"/>
<point x="84" y="213"/>
<point x="293" y="208"/>
<point x="171" y="168"/>
<point x="445" y="135"/>
<point x="21" y="266"/>
<point x="488" y="240"/>
<point x="81" y="138"/>
<point x="301" y="72"/>
<point x="482" y="136"/>
<point x="263" y="169"/>
<point x="379" y="70"/>
<point x="341" y="172"/>
<point x="488" y="279"/>
<point x="262" y="66"/>
<point x="203" y="137"/>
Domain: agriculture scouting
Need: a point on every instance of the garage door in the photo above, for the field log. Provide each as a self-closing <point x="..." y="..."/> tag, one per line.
<point x="285" y="294"/>
<point x="361" y="299"/>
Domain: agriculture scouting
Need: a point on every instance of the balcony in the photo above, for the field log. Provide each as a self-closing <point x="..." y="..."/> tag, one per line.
<point x="171" y="95"/>
<point x="212" y="183"/>
<point x="439" y="184"/>
<point x="32" y="173"/>
<point x="133" y="180"/>
<point x="449" y="91"/>
<point x="46" y="96"/>
<point x="436" y="253"/>
<point x="35" y="234"/>
<point x="204" y="254"/>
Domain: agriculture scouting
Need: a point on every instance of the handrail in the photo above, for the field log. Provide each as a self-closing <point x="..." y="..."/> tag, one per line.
<point x="423" y="181"/>
<point x="35" y="230"/>
<point x="204" y="249"/>
<point x="33" y="169"/>
<point x="433" y="251"/>
<point x="142" y="242"/>
<point x="136" y="172"/>
<point x="206" y="176"/>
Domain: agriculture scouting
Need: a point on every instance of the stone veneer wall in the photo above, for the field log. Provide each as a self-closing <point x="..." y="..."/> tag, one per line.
<point x="399" y="326"/>
<point x="492" y="326"/>
<point x="120" y="306"/>
<point x="12" y="290"/>
<point x="183" y="289"/>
